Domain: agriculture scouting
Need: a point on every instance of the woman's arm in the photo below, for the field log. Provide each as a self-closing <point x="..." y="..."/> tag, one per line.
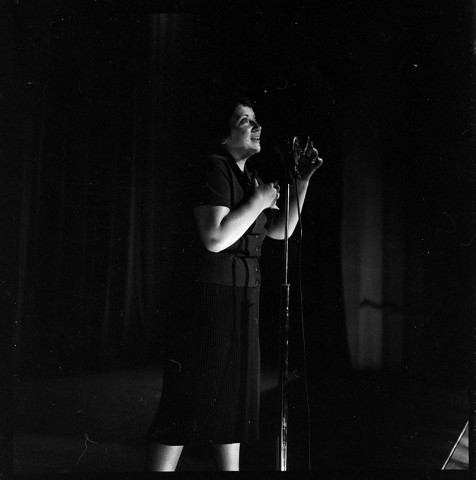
<point x="219" y="227"/>
<point x="276" y="228"/>
<point x="309" y="164"/>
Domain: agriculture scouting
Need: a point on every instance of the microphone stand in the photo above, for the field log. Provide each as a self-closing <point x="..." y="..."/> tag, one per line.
<point x="282" y="438"/>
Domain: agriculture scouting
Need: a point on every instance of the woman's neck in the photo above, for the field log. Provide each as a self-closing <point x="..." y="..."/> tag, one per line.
<point x="240" y="161"/>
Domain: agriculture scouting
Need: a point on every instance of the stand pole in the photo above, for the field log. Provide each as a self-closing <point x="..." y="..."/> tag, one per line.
<point x="472" y="386"/>
<point x="282" y="440"/>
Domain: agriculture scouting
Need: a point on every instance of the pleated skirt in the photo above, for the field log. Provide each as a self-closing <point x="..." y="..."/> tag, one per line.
<point x="211" y="390"/>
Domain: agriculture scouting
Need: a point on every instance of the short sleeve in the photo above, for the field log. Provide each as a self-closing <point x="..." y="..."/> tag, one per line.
<point x="214" y="183"/>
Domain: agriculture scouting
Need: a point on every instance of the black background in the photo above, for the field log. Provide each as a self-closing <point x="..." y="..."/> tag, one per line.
<point x="105" y="106"/>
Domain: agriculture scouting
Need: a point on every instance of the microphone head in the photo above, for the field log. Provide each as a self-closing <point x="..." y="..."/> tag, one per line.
<point x="296" y="150"/>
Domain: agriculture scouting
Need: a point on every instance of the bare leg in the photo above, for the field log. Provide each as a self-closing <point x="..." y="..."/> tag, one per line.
<point x="227" y="456"/>
<point x="163" y="458"/>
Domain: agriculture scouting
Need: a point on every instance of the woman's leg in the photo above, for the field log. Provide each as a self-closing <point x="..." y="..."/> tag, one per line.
<point x="162" y="458"/>
<point x="227" y="456"/>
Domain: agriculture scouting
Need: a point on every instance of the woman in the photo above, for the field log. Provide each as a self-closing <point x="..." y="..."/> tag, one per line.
<point x="211" y="394"/>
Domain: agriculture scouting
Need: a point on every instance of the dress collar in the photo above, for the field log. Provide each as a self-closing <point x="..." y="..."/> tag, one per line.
<point x="243" y="176"/>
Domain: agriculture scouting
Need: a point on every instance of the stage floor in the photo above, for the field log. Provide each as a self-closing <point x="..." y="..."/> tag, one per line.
<point x="97" y="423"/>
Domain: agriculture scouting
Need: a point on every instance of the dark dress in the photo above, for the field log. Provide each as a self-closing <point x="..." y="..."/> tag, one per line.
<point x="211" y="389"/>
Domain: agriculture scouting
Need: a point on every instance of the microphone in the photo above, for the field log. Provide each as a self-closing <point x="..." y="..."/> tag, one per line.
<point x="296" y="150"/>
<point x="289" y="152"/>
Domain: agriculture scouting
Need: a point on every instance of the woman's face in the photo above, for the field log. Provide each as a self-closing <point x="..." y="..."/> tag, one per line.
<point x="244" y="138"/>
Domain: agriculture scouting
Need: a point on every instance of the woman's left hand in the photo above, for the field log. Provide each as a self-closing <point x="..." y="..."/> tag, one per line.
<point x="309" y="161"/>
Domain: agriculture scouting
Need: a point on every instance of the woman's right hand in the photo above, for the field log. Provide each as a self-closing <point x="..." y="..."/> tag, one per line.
<point x="219" y="227"/>
<point x="267" y="194"/>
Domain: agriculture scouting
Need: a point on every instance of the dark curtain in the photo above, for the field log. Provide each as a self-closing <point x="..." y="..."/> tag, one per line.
<point x="100" y="101"/>
<point x="111" y="109"/>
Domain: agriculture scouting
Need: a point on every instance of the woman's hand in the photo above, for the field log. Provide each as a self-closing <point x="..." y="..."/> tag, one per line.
<point x="267" y="194"/>
<point x="219" y="227"/>
<point x="309" y="161"/>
